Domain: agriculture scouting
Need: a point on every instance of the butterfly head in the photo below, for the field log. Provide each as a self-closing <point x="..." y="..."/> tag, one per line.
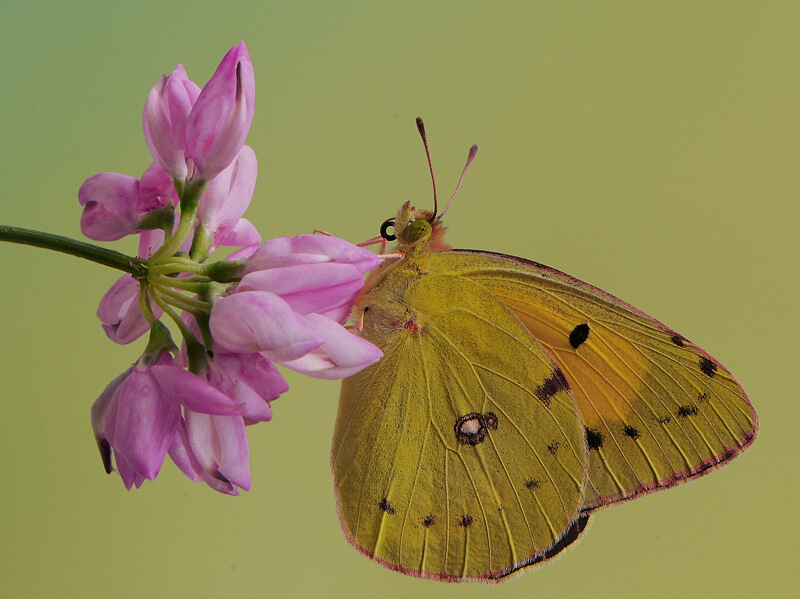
<point x="419" y="230"/>
<point x="415" y="230"/>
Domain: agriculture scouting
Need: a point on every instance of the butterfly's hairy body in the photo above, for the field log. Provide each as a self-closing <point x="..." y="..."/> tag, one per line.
<point x="459" y="482"/>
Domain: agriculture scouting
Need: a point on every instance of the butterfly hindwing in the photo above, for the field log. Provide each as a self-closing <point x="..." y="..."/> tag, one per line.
<point x="656" y="409"/>
<point x="460" y="455"/>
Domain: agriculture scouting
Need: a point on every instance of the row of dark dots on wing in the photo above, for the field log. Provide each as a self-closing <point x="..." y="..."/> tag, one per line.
<point x="580" y="334"/>
<point x="595" y="438"/>
<point x="428" y="521"/>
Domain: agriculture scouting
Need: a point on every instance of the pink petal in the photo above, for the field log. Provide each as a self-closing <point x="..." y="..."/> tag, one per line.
<point x="194" y="392"/>
<point x="311" y="249"/>
<point x="110" y="206"/>
<point x="258" y="410"/>
<point x="119" y="311"/>
<point x="255" y="371"/>
<point x="233" y="454"/>
<point x="342" y="355"/>
<point x="183" y="457"/>
<point x="141" y="423"/>
<point x="156" y="189"/>
<point x="287" y="280"/>
<point x="243" y="233"/>
<point x="257" y="321"/>
<point x="221" y="117"/>
<point x="229" y="194"/>
<point x="214" y="449"/>
<point x="149" y="242"/>
<point x="308" y="287"/>
<point x="201" y="441"/>
<point x="164" y="120"/>
<point x="245" y="252"/>
<point x="339" y="313"/>
<point x="127" y="472"/>
<point x="100" y="409"/>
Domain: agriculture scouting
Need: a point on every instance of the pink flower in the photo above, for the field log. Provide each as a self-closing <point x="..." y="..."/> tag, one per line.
<point x="291" y="309"/>
<point x="137" y="415"/>
<point x="216" y="451"/>
<point x="114" y="205"/>
<point x="342" y="355"/>
<point x="214" y="448"/>
<point x="326" y="288"/>
<point x="111" y="206"/>
<point x="227" y="199"/>
<point x="220" y="119"/>
<point x="164" y="120"/>
<point x="283" y="301"/>
<point x="313" y="273"/>
<point x="311" y="249"/>
<point x="251" y="380"/>
<point x="156" y="188"/>
<point x="257" y="321"/>
<point x="119" y="311"/>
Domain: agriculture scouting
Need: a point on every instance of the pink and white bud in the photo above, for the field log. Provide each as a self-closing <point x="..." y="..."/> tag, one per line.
<point x="164" y="118"/>
<point x="221" y="117"/>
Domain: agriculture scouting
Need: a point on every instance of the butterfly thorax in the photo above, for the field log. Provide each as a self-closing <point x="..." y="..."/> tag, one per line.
<point x="382" y="302"/>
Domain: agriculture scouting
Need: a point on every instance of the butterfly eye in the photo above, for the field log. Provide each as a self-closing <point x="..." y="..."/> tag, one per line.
<point x="417" y="230"/>
<point x="385" y="230"/>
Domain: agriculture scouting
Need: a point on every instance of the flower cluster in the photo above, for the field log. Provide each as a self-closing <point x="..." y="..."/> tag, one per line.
<point x="284" y="301"/>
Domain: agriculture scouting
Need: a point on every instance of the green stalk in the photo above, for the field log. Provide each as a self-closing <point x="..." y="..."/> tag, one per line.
<point x="80" y="249"/>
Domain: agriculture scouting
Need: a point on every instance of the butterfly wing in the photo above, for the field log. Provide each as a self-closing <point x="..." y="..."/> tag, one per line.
<point x="460" y="455"/>
<point x="656" y="408"/>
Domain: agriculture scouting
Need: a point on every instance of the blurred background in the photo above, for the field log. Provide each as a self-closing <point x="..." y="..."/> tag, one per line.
<point x="651" y="151"/>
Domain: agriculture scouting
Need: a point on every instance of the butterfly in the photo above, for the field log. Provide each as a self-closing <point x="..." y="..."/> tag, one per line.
<point x="512" y="401"/>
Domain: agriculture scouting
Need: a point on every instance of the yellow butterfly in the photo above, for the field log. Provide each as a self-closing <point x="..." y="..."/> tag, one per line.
<point x="512" y="401"/>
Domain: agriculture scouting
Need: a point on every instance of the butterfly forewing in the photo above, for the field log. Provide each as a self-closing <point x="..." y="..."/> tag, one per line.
<point x="460" y="455"/>
<point x="656" y="409"/>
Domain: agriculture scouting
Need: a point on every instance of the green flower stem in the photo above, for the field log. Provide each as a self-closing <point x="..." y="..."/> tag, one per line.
<point x="172" y="267"/>
<point x="144" y="304"/>
<point x="190" y="204"/>
<point x="181" y="301"/>
<point x="88" y="251"/>
<point x="196" y="352"/>
<point x="179" y="283"/>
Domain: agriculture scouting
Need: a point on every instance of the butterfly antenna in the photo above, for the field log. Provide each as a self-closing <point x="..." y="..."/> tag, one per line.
<point x="472" y="151"/>
<point x="421" y="128"/>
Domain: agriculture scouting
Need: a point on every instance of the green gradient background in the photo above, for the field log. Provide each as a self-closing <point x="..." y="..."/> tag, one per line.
<point x="653" y="152"/>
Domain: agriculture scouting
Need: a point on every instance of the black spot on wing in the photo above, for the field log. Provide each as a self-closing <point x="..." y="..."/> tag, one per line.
<point x="677" y="340"/>
<point x="472" y="428"/>
<point x="387" y="507"/>
<point x="556" y="383"/>
<point x="631" y="431"/>
<point x="553" y="447"/>
<point x="578" y="335"/>
<point x="707" y="366"/>
<point x="429" y="521"/>
<point x="469" y="429"/>
<point x="686" y="411"/>
<point x="466" y="521"/>
<point x="490" y="420"/>
<point x="533" y="484"/>
<point x="594" y="438"/>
